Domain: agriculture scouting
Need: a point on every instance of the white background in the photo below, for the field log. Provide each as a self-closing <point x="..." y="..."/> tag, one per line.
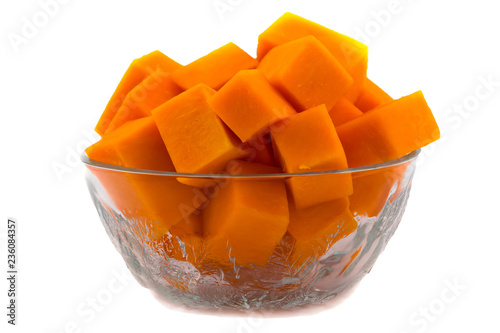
<point x="54" y="86"/>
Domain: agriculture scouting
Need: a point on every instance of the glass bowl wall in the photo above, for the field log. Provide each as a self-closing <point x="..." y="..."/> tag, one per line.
<point x="178" y="266"/>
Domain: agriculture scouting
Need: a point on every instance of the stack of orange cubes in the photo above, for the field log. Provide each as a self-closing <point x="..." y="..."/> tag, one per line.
<point x="304" y="105"/>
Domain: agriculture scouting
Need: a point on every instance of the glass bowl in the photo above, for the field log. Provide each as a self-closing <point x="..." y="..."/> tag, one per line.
<point x="334" y="246"/>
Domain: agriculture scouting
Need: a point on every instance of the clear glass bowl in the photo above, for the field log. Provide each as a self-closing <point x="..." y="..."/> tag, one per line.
<point x="180" y="270"/>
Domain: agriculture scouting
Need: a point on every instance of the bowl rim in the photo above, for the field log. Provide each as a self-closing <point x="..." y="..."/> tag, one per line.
<point x="96" y="164"/>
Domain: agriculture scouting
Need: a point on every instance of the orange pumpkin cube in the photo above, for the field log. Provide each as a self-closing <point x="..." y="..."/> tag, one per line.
<point x="350" y="53"/>
<point x="317" y="228"/>
<point x="245" y="221"/>
<point x="237" y="167"/>
<point x="160" y="199"/>
<point x="260" y="150"/>
<point x="312" y="222"/>
<point x="306" y="73"/>
<point x="153" y="91"/>
<point x="343" y="112"/>
<point x="184" y="241"/>
<point x="196" y="138"/>
<point x="214" y="69"/>
<point x="140" y="69"/>
<point x="249" y="105"/>
<point x="371" y="97"/>
<point x="372" y="189"/>
<point x="309" y="142"/>
<point x="389" y="131"/>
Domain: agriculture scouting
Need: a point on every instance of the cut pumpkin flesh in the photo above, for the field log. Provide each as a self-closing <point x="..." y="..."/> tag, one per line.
<point x="153" y="91"/>
<point x="389" y="132"/>
<point x="308" y="142"/>
<point x="343" y="112"/>
<point x="214" y="69"/>
<point x="371" y="97"/>
<point x="140" y="69"/>
<point x="195" y="137"/>
<point x="247" y="219"/>
<point x="249" y="105"/>
<point x="317" y="228"/>
<point x="352" y="54"/>
<point x="162" y="199"/>
<point x="306" y="73"/>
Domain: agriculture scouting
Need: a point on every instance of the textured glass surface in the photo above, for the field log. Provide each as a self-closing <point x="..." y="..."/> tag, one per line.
<point x="289" y="280"/>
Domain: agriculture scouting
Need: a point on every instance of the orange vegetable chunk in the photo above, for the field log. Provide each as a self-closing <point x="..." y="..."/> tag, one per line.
<point x="389" y="132"/>
<point x="196" y="138"/>
<point x="312" y="222"/>
<point x="155" y="90"/>
<point x="260" y="150"/>
<point x="306" y="73"/>
<point x="351" y="54"/>
<point x="237" y="167"/>
<point x="308" y="142"/>
<point x="371" y="97"/>
<point x="317" y="228"/>
<point x="246" y="220"/>
<point x="214" y="69"/>
<point x="184" y="241"/>
<point x="162" y="200"/>
<point x="343" y="112"/>
<point x="140" y="69"/>
<point x="371" y="189"/>
<point x="248" y="104"/>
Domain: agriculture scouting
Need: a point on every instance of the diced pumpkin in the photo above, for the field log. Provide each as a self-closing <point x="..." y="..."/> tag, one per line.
<point x="343" y="112"/>
<point x="311" y="190"/>
<point x="249" y="105"/>
<point x="260" y="150"/>
<point x="371" y="189"/>
<point x="163" y="200"/>
<point x="389" y="132"/>
<point x="308" y="142"/>
<point x="306" y="73"/>
<point x="352" y="54"/>
<point x="214" y="69"/>
<point x="237" y="167"/>
<point x="317" y="228"/>
<point x="371" y="97"/>
<point x="140" y="69"/>
<point x="319" y="220"/>
<point x="184" y="241"/>
<point x="246" y="220"/>
<point x="153" y="91"/>
<point x="190" y="225"/>
<point x="196" y="138"/>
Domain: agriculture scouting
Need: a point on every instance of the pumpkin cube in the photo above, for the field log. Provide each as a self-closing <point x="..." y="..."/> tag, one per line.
<point x="372" y="189"/>
<point x="389" y="132"/>
<point x="308" y="142"/>
<point x="247" y="219"/>
<point x="371" y="97"/>
<point x="260" y="150"/>
<point x="163" y="200"/>
<point x="317" y="228"/>
<point x="352" y="54"/>
<point x="196" y="138"/>
<point x="306" y="73"/>
<point x="140" y="69"/>
<point x="214" y="69"/>
<point x="249" y="105"/>
<point x="343" y="112"/>
<point x="153" y="91"/>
